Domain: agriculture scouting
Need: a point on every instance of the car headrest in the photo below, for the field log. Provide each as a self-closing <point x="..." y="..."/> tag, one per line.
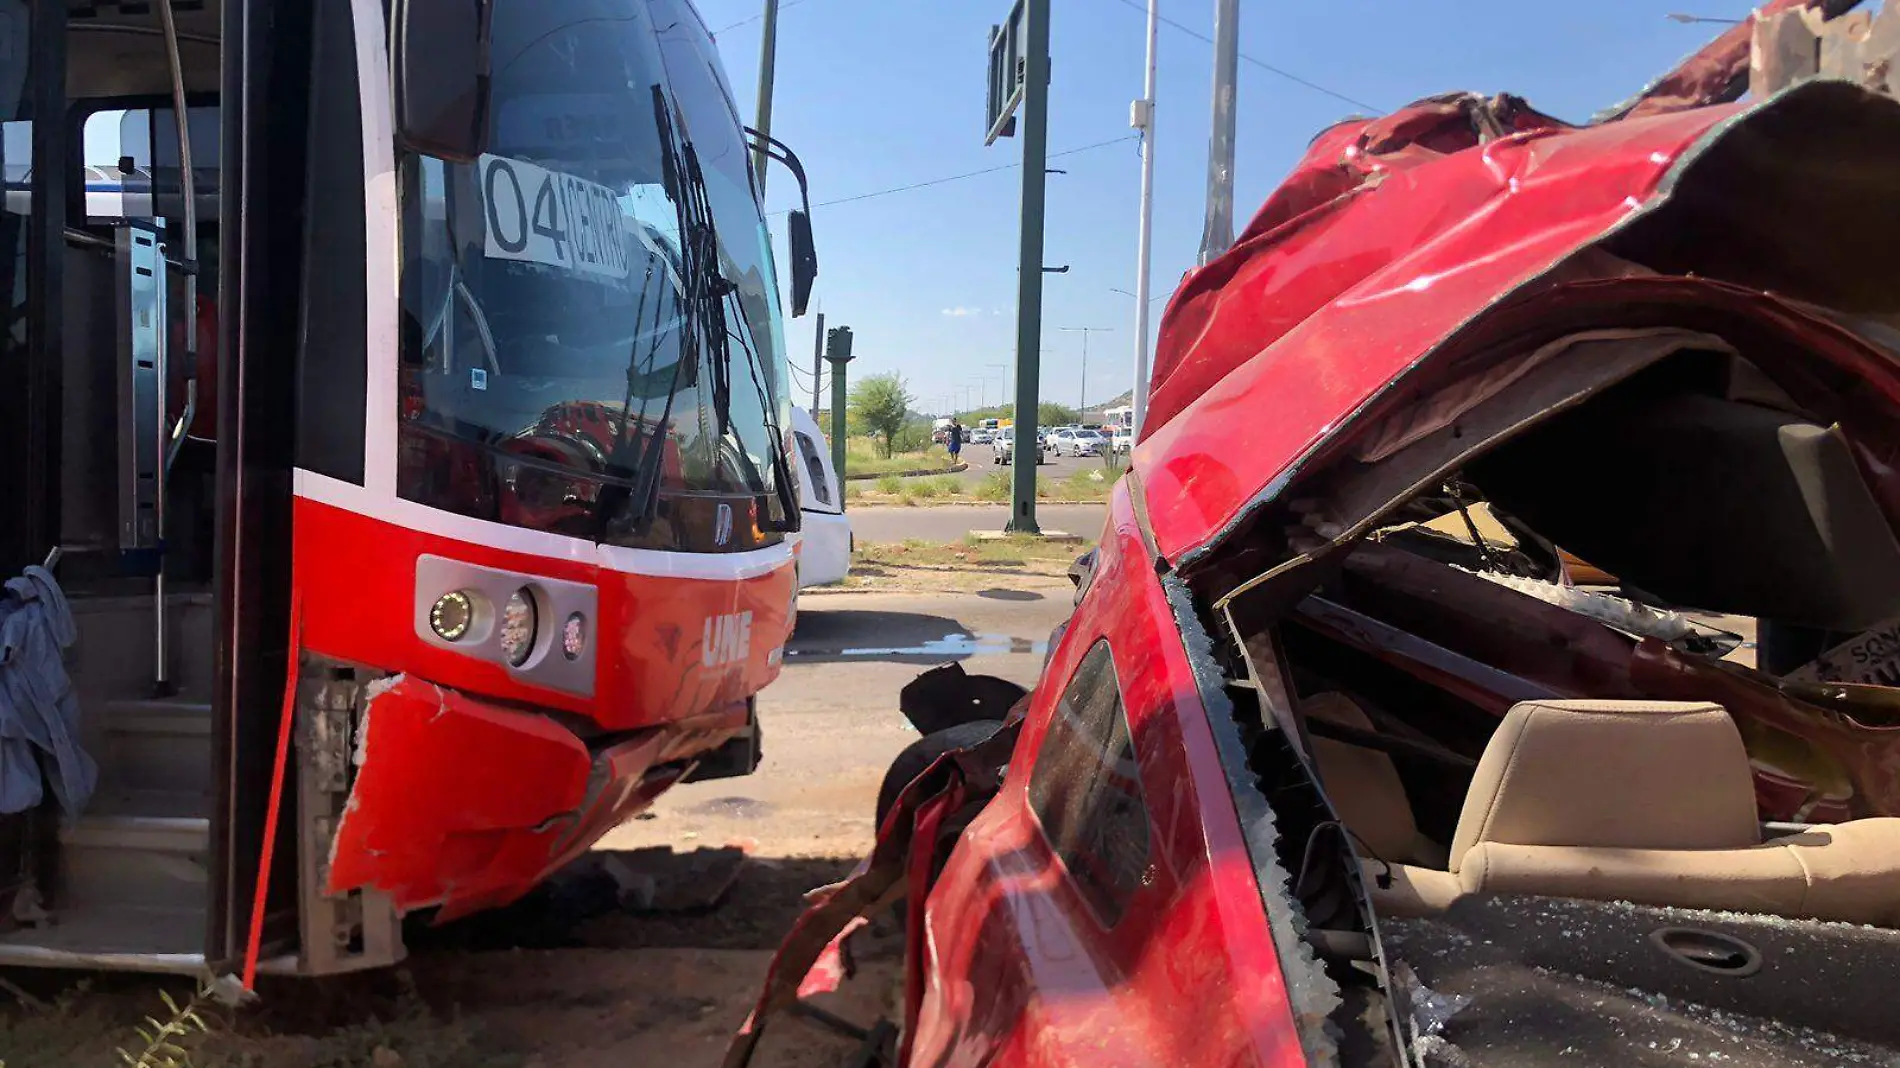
<point x="1613" y="774"/>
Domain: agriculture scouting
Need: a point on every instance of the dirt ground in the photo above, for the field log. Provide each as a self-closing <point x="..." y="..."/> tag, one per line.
<point x="573" y="978"/>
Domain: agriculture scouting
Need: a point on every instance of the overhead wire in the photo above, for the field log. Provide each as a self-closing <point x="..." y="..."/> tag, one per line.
<point x="755" y="18"/>
<point x="968" y="174"/>
<point x="1262" y="64"/>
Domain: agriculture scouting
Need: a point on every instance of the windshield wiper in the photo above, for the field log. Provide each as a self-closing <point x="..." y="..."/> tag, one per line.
<point x="709" y="329"/>
<point x="645" y="446"/>
<point x="720" y="310"/>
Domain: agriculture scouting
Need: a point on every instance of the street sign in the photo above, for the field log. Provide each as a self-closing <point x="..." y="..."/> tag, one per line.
<point x="1007" y="69"/>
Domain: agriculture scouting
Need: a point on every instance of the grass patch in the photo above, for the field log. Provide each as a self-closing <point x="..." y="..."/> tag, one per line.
<point x="925" y="488"/>
<point x="158" y="1023"/>
<point x="994" y="487"/>
<point x="862" y="457"/>
<point x="1014" y="551"/>
<point x="890" y="484"/>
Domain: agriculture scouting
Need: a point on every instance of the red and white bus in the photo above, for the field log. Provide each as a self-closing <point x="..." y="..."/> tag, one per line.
<point x="412" y="447"/>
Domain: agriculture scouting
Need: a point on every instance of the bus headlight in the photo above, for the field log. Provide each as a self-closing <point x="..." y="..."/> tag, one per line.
<point x="518" y="625"/>
<point x="452" y="615"/>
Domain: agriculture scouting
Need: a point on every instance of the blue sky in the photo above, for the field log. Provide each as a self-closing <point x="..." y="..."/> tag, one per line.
<point x="875" y="94"/>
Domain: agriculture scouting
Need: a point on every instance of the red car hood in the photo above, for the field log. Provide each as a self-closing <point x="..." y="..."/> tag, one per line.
<point x="1396" y="237"/>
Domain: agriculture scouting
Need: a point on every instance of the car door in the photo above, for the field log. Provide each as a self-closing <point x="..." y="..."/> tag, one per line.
<point x="1101" y="909"/>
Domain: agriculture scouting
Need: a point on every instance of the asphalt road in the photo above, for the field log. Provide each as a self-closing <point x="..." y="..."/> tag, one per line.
<point x="831" y="724"/>
<point x="950" y="522"/>
<point x="982" y="461"/>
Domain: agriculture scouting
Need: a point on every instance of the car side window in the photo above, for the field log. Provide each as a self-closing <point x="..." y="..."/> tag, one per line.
<point x="820" y="485"/>
<point x="1086" y="789"/>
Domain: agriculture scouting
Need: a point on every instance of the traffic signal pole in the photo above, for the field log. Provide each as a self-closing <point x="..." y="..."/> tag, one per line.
<point x="838" y="351"/>
<point x="1035" y="130"/>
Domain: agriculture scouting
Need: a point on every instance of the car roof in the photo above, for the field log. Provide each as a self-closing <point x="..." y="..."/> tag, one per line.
<point x="1206" y="452"/>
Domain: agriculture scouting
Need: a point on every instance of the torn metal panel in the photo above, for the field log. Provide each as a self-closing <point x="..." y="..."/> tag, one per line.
<point x="452" y="797"/>
<point x="953" y="783"/>
<point x="1358" y="285"/>
<point x="465" y="805"/>
<point x="1313" y="996"/>
<point x="1716" y="73"/>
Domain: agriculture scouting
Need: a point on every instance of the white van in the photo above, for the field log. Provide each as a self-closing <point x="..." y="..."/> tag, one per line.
<point x="825" y="543"/>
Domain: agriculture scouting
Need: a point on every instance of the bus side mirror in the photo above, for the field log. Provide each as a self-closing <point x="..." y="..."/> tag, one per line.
<point x="439" y="67"/>
<point x="804" y="260"/>
<point x="804" y="249"/>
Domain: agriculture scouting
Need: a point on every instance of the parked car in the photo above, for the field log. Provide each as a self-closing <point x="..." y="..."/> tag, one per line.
<point x="979" y="436"/>
<point x="1078" y="442"/>
<point x="1124" y="439"/>
<point x="1333" y="763"/>
<point x="1005" y="450"/>
<point x="824" y="539"/>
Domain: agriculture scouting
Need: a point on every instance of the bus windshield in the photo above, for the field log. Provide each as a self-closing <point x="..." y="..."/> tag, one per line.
<point x="553" y="348"/>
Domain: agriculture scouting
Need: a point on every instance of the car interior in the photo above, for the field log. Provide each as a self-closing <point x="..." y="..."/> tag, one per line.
<point x="1574" y="789"/>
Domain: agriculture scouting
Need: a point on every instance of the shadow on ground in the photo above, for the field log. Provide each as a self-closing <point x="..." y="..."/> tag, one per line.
<point x="575" y="978"/>
<point x="836" y="634"/>
<point x="1009" y="595"/>
<point x="635" y="899"/>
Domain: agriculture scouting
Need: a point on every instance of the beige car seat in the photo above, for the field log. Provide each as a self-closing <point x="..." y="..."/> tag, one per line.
<point x="1649" y="802"/>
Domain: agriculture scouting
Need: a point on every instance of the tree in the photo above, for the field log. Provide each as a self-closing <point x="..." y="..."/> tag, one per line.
<point x="879" y="405"/>
<point x="1049" y="413"/>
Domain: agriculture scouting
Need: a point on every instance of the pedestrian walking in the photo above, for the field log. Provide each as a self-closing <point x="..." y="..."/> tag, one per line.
<point x="955" y="442"/>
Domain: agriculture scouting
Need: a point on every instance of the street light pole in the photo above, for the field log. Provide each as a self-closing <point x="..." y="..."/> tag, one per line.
<point x="1143" y="119"/>
<point x="768" y="64"/>
<point x="1219" y="231"/>
<point x="817" y="362"/>
<point x="1085" y="331"/>
<point x="1002" y="376"/>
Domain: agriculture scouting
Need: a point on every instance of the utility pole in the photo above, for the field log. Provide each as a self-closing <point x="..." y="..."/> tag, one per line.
<point x="1143" y="118"/>
<point x="838" y="351"/>
<point x="1085" y="331"/>
<point x="1218" y="234"/>
<point x="817" y="362"/>
<point x="768" y="64"/>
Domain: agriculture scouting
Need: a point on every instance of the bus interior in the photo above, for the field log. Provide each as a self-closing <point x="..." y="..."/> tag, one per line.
<point x="111" y="329"/>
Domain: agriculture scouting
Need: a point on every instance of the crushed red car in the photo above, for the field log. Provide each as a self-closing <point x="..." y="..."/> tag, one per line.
<point x="1345" y="756"/>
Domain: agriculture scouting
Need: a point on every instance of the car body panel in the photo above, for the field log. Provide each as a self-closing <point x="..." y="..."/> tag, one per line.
<point x="1365" y="265"/>
<point x="1018" y="969"/>
<point x="1380" y="263"/>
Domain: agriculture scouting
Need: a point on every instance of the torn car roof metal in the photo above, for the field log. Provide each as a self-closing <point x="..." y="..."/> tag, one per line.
<point x="1396" y="244"/>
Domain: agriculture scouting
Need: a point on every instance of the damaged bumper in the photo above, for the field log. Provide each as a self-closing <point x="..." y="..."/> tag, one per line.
<point x="464" y="804"/>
